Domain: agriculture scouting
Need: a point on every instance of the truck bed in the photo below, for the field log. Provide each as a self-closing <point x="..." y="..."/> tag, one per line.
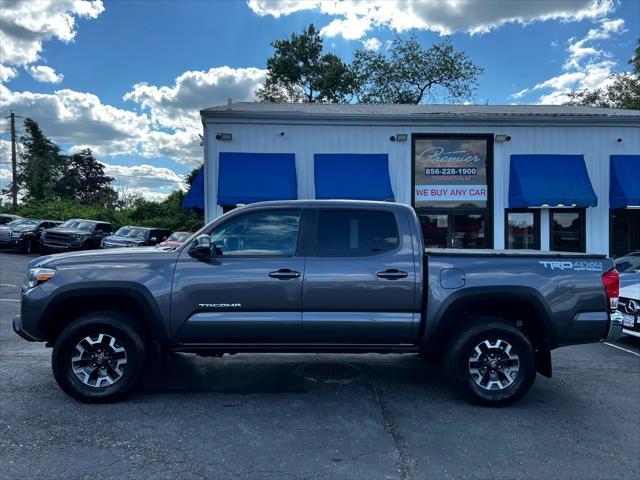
<point x="506" y="253"/>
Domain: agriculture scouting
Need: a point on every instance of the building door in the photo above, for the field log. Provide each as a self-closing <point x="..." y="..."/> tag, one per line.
<point x="455" y="230"/>
<point x="625" y="231"/>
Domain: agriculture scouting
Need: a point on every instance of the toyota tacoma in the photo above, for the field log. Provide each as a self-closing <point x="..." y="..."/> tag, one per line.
<point x="316" y="276"/>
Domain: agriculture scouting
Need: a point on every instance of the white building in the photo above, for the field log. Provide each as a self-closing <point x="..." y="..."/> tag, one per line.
<point x="548" y="177"/>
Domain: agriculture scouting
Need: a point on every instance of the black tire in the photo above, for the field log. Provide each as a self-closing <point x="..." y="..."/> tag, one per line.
<point x="27" y="246"/>
<point x="87" y="245"/>
<point x="461" y="349"/>
<point x="115" y="325"/>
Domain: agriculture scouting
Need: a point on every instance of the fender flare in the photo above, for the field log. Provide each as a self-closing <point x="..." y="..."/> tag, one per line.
<point x="435" y="326"/>
<point x="151" y="320"/>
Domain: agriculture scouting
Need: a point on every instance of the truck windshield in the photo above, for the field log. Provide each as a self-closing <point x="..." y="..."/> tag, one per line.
<point x="79" y="225"/>
<point x="132" y="232"/>
<point x="178" y="237"/>
<point x="21" y="221"/>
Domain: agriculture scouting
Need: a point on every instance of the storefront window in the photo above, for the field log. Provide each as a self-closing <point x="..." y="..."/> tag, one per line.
<point x="522" y="229"/>
<point x="625" y="231"/>
<point x="567" y="230"/>
<point x="452" y="189"/>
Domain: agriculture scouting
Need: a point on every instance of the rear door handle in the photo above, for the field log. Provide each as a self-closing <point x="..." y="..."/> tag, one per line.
<point x="392" y="274"/>
<point x="284" y="274"/>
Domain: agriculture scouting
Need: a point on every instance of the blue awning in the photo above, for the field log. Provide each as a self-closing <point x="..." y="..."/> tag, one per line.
<point x="256" y="177"/>
<point x="624" y="189"/>
<point x="550" y="180"/>
<point x="352" y="176"/>
<point x="195" y="196"/>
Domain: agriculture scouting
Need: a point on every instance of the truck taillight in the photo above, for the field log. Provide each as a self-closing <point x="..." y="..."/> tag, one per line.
<point x="611" y="281"/>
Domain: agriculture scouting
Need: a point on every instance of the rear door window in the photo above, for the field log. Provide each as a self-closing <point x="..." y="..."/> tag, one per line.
<point x="355" y="233"/>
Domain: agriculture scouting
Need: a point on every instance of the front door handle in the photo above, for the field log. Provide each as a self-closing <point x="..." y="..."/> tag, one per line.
<point x="284" y="274"/>
<point x="392" y="274"/>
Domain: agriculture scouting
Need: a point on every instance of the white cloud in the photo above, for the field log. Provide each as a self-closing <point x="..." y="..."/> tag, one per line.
<point x="7" y="73"/>
<point x="588" y="64"/>
<point x="520" y="94"/>
<point x="356" y="17"/>
<point x="372" y="44"/>
<point x="25" y="25"/>
<point x="178" y="106"/>
<point x="169" y="124"/>
<point x="43" y="73"/>
<point x="147" y="181"/>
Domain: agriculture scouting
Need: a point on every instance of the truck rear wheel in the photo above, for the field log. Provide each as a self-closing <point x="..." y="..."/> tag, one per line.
<point x="491" y="363"/>
<point x="99" y="357"/>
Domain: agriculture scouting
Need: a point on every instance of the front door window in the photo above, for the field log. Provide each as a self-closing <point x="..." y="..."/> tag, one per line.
<point x="567" y="230"/>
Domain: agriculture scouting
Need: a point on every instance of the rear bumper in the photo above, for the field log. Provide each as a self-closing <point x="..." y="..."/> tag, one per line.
<point x="17" y="327"/>
<point x="615" y="327"/>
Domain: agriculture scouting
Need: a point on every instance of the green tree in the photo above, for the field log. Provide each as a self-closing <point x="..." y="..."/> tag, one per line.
<point x="40" y="165"/>
<point x="84" y="179"/>
<point x="190" y="177"/>
<point x="413" y="74"/>
<point x="622" y="92"/>
<point x="299" y="71"/>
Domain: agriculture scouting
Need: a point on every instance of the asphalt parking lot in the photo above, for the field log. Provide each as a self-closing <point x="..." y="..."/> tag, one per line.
<point x="263" y="416"/>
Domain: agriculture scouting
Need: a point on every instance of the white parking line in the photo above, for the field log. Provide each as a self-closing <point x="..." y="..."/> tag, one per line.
<point x="7" y="285"/>
<point x="623" y="349"/>
<point x="9" y="300"/>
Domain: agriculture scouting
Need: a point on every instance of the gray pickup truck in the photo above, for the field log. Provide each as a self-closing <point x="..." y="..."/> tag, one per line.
<point x="316" y="276"/>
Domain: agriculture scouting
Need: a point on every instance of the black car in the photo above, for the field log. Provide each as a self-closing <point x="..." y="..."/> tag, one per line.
<point x="25" y="234"/>
<point x="135" y="237"/>
<point x="8" y="217"/>
<point x="76" y="234"/>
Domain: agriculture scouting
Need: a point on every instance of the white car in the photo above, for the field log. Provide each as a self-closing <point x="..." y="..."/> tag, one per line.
<point x="629" y="303"/>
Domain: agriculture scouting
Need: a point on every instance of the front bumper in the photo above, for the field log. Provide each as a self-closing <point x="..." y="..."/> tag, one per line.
<point x="17" y="327"/>
<point x="61" y="248"/>
<point x="13" y="243"/>
<point x="614" y="332"/>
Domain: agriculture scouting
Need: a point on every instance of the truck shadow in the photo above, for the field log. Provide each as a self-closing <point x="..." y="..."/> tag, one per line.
<point x="246" y="374"/>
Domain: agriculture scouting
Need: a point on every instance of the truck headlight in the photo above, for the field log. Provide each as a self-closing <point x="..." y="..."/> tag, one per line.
<point x="16" y="234"/>
<point x="36" y="276"/>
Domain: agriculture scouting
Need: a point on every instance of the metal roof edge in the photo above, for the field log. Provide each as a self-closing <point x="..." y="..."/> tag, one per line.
<point x="231" y="116"/>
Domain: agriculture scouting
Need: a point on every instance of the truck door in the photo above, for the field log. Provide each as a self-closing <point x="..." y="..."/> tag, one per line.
<point x="251" y="291"/>
<point x="359" y="285"/>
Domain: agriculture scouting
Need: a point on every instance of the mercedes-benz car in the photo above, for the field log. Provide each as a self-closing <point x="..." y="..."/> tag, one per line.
<point x="629" y="302"/>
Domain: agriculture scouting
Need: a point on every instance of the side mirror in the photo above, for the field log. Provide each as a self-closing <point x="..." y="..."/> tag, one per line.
<point x="201" y="247"/>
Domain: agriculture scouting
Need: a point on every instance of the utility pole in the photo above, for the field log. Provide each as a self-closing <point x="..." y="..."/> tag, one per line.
<point x="14" y="165"/>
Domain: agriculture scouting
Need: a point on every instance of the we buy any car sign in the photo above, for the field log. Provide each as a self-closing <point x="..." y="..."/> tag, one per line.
<point x="451" y="192"/>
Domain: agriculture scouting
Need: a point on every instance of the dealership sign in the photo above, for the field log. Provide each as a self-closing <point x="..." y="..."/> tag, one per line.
<point x="425" y="193"/>
<point x="450" y="172"/>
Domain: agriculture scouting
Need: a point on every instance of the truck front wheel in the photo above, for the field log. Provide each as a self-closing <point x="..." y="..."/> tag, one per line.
<point x="491" y="363"/>
<point x="99" y="357"/>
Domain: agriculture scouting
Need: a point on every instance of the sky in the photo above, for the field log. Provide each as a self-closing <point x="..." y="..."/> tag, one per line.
<point x="127" y="78"/>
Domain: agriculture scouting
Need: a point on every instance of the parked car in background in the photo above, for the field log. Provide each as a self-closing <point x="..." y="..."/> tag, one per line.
<point x="8" y="217"/>
<point x="25" y="234"/>
<point x="175" y="239"/>
<point x="76" y="234"/>
<point x="629" y="303"/>
<point x="130" y="236"/>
